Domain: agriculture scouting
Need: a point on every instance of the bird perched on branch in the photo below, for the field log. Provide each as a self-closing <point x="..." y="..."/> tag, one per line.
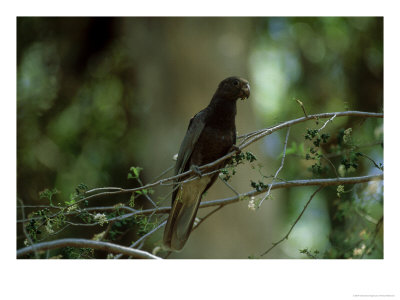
<point x="211" y="134"/>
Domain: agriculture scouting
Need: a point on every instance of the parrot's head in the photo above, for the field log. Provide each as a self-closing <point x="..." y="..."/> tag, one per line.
<point x="233" y="88"/>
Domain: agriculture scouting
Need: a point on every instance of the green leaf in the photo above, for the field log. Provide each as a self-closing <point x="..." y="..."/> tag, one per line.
<point x="48" y="194"/>
<point x="132" y="200"/>
<point x="134" y="172"/>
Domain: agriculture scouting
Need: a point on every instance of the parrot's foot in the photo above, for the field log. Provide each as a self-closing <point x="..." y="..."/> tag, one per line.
<point x="196" y="170"/>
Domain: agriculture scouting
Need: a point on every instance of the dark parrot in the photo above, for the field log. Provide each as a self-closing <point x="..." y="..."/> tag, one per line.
<point x="211" y="134"/>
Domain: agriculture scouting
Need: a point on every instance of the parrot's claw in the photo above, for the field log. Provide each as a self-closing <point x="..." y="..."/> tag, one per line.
<point x="196" y="170"/>
<point x="236" y="149"/>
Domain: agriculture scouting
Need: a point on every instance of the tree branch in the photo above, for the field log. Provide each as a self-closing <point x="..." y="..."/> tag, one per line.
<point x="83" y="243"/>
<point x="143" y="238"/>
<point x="326" y="123"/>
<point x="280" y="168"/>
<point x="248" y="140"/>
<point x="278" y="185"/>
<point x="296" y="183"/>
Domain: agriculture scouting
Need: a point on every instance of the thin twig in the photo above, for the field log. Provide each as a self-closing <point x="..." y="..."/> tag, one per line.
<point x="330" y="120"/>
<point x="346" y="151"/>
<point x="377" y="229"/>
<point x="148" y="234"/>
<point x="101" y="189"/>
<point x="207" y="216"/>
<point x="229" y="186"/>
<point x="280" y="168"/>
<point x="145" y="194"/>
<point x="109" y="227"/>
<point x="302" y="107"/>
<point x="143" y="238"/>
<point x="164" y="172"/>
<point x="83" y="243"/>
<point x="294" y="224"/>
<point x="23" y="226"/>
<point x="366" y="216"/>
<point x="331" y="164"/>
<point x="375" y="164"/>
<point x="40" y="206"/>
<point x="87" y="209"/>
<point x="55" y="233"/>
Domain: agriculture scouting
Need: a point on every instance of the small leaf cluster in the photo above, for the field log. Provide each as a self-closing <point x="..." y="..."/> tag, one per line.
<point x="314" y="152"/>
<point x="310" y="254"/>
<point x="141" y="223"/>
<point x="43" y="218"/>
<point x="77" y="253"/>
<point x="344" y="136"/>
<point x="349" y="157"/>
<point x="351" y="161"/>
<point x="81" y="189"/>
<point x="143" y="192"/>
<point x="85" y="216"/>
<point x="48" y="194"/>
<point x="317" y="169"/>
<point x="258" y="186"/>
<point x="79" y="194"/>
<point x="316" y="138"/>
<point x="227" y="172"/>
<point x="241" y="157"/>
<point x="119" y="227"/>
<point x="134" y="172"/>
<point x="311" y="133"/>
<point x="340" y="190"/>
<point x="33" y="229"/>
<point x="144" y="224"/>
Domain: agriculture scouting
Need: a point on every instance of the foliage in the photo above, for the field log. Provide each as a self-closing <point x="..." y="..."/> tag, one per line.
<point x="236" y="160"/>
<point x="48" y="194"/>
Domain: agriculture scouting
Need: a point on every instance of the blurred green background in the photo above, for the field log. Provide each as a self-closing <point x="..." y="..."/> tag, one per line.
<point x="96" y="96"/>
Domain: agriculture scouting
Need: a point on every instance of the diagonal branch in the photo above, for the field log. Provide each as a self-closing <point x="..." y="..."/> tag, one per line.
<point x="207" y="216"/>
<point x="280" y="168"/>
<point x="135" y="244"/>
<point x="295" y="222"/>
<point x="326" y="123"/>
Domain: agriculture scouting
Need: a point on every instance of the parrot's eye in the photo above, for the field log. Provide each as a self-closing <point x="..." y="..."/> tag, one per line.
<point x="236" y="82"/>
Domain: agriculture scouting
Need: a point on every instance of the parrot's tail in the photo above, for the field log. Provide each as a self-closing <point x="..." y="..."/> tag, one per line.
<point x="183" y="213"/>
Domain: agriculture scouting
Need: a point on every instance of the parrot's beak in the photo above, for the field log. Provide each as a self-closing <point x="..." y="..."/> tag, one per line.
<point x="245" y="92"/>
